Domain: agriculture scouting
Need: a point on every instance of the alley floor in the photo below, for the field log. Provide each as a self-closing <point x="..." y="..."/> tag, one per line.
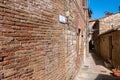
<point x="94" y="69"/>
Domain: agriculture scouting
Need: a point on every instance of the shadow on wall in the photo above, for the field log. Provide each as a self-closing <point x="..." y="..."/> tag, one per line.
<point x="106" y="77"/>
<point x="96" y="29"/>
<point x="91" y="46"/>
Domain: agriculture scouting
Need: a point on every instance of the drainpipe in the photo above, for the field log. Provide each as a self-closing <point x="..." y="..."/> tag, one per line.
<point x="86" y="48"/>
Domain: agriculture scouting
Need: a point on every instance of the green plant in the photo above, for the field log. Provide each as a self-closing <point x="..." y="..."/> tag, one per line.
<point x="117" y="68"/>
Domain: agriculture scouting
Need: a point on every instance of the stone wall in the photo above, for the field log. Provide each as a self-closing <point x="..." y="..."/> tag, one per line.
<point x="109" y="22"/>
<point x="101" y="26"/>
<point x="110" y="47"/>
<point x="34" y="45"/>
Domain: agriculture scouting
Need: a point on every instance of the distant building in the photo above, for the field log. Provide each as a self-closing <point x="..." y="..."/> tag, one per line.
<point x="109" y="22"/>
<point x="105" y="33"/>
<point x="104" y="24"/>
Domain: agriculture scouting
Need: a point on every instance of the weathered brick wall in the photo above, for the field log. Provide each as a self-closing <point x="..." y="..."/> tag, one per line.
<point x="33" y="44"/>
<point x="77" y="21"/>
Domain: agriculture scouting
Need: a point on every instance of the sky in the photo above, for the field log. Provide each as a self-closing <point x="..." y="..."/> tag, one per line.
<point x="99" y="7"/>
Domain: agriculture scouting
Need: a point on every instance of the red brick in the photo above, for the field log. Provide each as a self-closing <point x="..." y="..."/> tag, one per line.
<point x="0" y="33"/>
<point x="3" y="55"/>
<point x="33" y="42"/>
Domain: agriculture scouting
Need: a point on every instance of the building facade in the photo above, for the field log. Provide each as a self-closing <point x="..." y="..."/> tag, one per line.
<point x="110" y="47"/>
<point x="41" y="39"/>
<point x="105" y="35"/>
<point x="109" y="22"/>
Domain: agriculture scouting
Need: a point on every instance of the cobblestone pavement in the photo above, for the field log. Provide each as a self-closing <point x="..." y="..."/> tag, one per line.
<point x="93" y="69"/>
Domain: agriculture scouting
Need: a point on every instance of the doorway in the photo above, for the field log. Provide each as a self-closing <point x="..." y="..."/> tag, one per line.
<point x="110" y="48"/>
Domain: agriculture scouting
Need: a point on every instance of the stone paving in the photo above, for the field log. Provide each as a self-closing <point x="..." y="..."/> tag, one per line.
<point x="94" y="69"/>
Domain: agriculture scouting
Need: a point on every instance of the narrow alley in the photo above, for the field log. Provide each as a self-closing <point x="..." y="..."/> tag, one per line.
<point x="94" y="69"/>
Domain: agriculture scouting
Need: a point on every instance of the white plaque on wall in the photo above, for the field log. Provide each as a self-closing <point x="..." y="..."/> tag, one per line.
<point x="62" y="19"/>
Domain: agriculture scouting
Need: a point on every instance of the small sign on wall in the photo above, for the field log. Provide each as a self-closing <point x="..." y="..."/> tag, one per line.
<point x="62" y="19"/>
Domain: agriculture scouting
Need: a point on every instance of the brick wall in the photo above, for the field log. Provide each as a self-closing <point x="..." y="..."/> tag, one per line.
<point x="33" y="44"/>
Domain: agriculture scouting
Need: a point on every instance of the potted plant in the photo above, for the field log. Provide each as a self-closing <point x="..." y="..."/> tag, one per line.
<point x="107" y="64"/>
<point x="116" y="71"/>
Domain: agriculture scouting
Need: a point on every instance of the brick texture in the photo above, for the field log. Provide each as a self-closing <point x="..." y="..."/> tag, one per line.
<point x="34" y="45"/>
